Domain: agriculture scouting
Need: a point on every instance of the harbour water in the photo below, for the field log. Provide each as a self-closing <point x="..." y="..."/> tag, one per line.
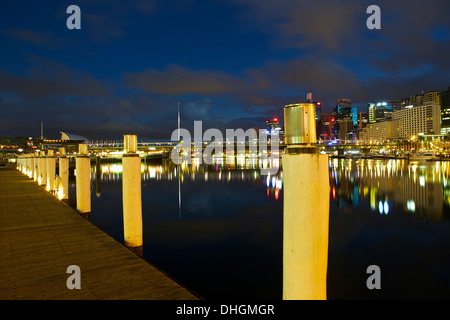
<point x="218" y="229"/>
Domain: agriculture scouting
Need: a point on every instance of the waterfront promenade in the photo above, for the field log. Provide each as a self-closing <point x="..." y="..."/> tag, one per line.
<point x="40" y="237"/>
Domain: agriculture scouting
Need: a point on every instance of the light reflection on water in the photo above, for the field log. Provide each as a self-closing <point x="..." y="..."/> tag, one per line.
<point x="419" y="189"/>
<point x="243" y="170"/>
<point x="218" y="229"/>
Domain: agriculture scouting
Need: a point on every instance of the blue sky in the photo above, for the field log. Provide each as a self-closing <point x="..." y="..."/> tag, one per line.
<point x="231" y="64"/>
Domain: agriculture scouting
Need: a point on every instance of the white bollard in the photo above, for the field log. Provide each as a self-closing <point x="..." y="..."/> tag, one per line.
<point x="63" y="187"/>
<point x="98" y="175"/>
<point x="305" y="208"/>
<point x="83" y="180"/>
<point x="51" y="173"/>
<point x="131" y="192"/>
<point x="36" y="166"/>
<point x="28" y="159"/>
<point x="32" y="165"/>
<point x="42" y="177"/>
<point x="25" y="162"/>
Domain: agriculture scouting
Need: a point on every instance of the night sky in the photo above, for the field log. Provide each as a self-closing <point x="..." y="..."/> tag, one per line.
<point x="231" y="64"/>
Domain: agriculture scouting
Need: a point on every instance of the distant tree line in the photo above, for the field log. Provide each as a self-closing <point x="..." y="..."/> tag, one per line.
<point x="21" y="142"/>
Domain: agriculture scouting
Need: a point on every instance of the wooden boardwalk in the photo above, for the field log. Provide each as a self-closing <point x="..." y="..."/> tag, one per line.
<point x="41" y="236"/>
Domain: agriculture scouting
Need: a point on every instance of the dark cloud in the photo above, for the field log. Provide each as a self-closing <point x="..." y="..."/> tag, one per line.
<point x="145" y="7"/>
<point x="340" y="57"/>
<point x="339" y="25"/>
<point x="40" y="38"/>
<point x="47" y="78"/>
<point x="177" y="80"/>
<point x="103" y="28"/>
<point x="252" y="87"/>
<point x="109" y="117"/>
<point x="328" y="24"/>
<point x="314" y="74"/>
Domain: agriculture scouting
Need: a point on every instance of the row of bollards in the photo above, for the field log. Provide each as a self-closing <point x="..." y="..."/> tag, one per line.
<point x="41" y="167"/>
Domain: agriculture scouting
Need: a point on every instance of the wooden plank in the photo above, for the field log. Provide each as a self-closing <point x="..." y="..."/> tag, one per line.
<point x="41" y="236"/>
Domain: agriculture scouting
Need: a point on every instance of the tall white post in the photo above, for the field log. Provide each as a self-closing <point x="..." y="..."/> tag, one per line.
<point x="63" y="188"/>
<point x="28" y="160"/>
<point x="32" y="166"/>
<point x="36" y="166"/>
<point x="51" y="173"/>
<point x="25" y="164"/>
<point x="42" y="177"/>
<point x="29" y="165"/>
<point x="98" y="175"/>
<point x="19" y="163"/>
<point x="83" y="180"/>
<point x="131" y="192"/>
<point x="305" y="208"/>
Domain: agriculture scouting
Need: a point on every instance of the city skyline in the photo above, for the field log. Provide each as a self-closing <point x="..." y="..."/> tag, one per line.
<point x="230" y="65"/>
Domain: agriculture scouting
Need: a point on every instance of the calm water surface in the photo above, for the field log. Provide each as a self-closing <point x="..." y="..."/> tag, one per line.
<point x="218" y="229"/>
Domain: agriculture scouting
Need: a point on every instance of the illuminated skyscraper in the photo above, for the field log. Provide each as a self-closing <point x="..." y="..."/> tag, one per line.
<point x="381" y="111"/>
<point x="418" y="120"/>
<point x="273" y="124"/>
<point x="343" y="112"/>
<point x="445" y="111"/>
<point x="363" y="119"/>
<point x="433" y="96"/>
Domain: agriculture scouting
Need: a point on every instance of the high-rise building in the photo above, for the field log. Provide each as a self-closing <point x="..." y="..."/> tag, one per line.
<point x="381" y="111"/>
<point x="405" y="103"/>
<point x="418" y="120"/>
<point x="324" y="127"/>
<point x="396" y="104"/>
<point x="346" y="129"/>
<point x="371" y="112"/>
<point x="318" y="110"/>
<point x="414" y="100"/>
<point x="343" y="111"/>
<point x="344" y="103"/>
<point x="433" y="96"/>
<point x="273" y="124"/>
<point x="333" y="129"/>
<point x="417" y="99"/>
<point x="318" y="116"/>
<point x="445" y="111"/>
<point x="380" y="131"/>
<point x="363" y="119"/>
